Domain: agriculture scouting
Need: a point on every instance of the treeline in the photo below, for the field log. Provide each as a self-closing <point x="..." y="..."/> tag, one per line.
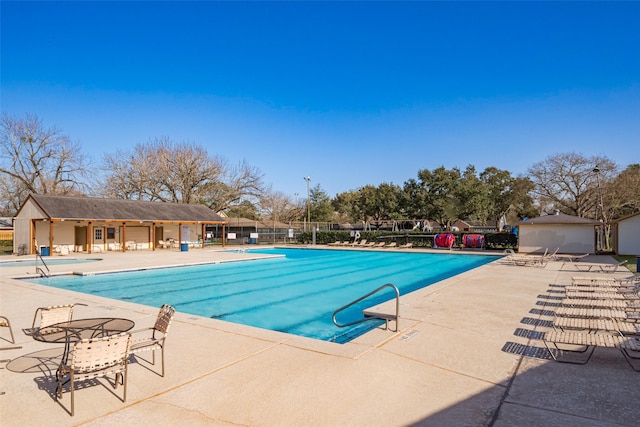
<point x="39" y="159"/>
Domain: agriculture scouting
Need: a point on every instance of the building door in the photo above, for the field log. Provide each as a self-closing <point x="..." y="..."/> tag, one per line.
<point x="159" y="235"/>
<point x="81" y="239"/>
<point x="98" y="239"/>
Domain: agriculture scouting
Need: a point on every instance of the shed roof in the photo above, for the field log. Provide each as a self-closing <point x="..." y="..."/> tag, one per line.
<point x="246" y="222"/>
<point x="623" y="218"/>
<point x="85" y="208"/>
<point x="557" y="219"/>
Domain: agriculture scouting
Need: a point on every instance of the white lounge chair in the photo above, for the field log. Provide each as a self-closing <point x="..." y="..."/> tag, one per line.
<point x="569" y="257"/>
<point x="599" y="267"/>
<point x="628" y="345"/>
<point x="633" y="280"/>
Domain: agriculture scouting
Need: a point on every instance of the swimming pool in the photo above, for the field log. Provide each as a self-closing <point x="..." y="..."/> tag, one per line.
<point x="296" y="294"/>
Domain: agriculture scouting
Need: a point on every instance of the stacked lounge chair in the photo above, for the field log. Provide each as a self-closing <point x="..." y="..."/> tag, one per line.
<point x="596" y="316"/>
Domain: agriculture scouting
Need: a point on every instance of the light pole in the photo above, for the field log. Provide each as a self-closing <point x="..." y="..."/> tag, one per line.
<point x="296" y="205"/>
<point x="596" y="170"/>
<point x="308" y="179"/>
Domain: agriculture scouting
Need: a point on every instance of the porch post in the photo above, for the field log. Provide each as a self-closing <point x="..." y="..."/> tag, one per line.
<point x="123" y="242"/>
<point x="90" y="232"/>
<point x="50" y="236"/>
<point x="224" y="235"/>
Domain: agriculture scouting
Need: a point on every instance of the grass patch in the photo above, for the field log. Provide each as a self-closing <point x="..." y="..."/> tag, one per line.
<point x="631" y="262"/>
<point x="6" y="247"/>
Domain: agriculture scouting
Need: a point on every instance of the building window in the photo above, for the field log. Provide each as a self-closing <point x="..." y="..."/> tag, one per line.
<point x="98" y="234"/>
<point x="111" y="233"/>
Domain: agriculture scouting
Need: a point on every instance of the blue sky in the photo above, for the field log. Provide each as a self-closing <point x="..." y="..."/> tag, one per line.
<point x="349" y="93"/>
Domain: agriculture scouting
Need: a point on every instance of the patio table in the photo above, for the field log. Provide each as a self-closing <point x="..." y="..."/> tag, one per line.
<point x="79" y="329"/>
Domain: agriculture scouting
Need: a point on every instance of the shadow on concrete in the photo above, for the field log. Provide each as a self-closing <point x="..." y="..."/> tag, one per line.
<point x="43" y="361"/>
<point x="542" y="392"/>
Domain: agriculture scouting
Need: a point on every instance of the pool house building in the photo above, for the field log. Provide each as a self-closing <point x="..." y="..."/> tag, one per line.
<point x="64" y="224"/>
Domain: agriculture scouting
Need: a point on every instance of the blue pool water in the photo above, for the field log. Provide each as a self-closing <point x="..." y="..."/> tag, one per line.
<point x="297" y="293"/>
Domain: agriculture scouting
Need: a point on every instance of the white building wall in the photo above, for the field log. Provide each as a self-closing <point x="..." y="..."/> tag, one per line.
<point x="63" y="235"/>
<point x="22" y="226"/>
<point x="569" y="238"/>
<point x="629" y="236"/>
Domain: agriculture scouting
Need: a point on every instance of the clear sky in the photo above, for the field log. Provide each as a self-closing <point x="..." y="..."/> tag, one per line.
<point x="348" y="93"/>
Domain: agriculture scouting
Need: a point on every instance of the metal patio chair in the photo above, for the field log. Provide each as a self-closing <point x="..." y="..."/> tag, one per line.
<point x="155" y="336"/>
<point x="4" y="323"/>
<point x="50" y="316"/>
<point x="96" y="358"/>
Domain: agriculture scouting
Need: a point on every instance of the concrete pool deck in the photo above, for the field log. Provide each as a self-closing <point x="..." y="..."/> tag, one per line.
<point x="466" y="354"/>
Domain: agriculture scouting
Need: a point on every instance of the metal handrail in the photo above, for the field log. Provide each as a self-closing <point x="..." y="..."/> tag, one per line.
<point x="372" y="317"/>
<point x="38" y="269"/>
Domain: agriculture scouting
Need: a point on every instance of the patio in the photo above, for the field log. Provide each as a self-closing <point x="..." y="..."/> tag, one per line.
<point x="466" y="353"/>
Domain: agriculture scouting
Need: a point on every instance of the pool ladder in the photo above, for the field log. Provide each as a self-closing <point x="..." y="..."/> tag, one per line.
<point x="40" y="270"/>
<point x="368" y="317"/>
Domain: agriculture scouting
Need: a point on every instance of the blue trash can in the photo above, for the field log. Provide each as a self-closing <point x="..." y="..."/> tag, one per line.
<point x="44" y="251"/>
<point x="184" y="247"/>
<point x="252" y="241"/>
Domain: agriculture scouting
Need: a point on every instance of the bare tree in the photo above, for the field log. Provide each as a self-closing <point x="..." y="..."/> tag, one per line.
<point x="568" y="182"/>
<point x="182" y="173"/>
<point x="238" y="184"/>
<point x="622" y="195"/>
<point x="161" y="170"/>
<point x="276" y="206"/>
<point x="36" y="159"/>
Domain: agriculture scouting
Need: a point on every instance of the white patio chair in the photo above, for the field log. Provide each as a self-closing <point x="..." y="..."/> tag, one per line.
<point x="95" y="358"/>
<point x="154" y="338"/>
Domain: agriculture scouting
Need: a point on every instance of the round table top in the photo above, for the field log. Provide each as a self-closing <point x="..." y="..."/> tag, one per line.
<point x="79" y="329"/>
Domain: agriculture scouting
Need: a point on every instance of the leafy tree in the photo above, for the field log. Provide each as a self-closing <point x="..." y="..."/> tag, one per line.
<point x="345" y="206"/>
<point x="380" y="203"/>
<point x="38" y="159"/>
<point x="414" y="200"/>
<point x="471" y="197"/>
<point x="321" y="208"/>
<point x="522" y="205"/>
<point x="440" y="202"/>
<point x="499" y="186"/>
<point x="507" y="195"/>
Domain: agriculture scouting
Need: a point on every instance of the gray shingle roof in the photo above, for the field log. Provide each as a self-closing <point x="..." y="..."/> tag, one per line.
<point x="246" y="222"/>
<point x="559" y="219"/>
<point x="85" y="208"/>
<point x="626" y="217"/>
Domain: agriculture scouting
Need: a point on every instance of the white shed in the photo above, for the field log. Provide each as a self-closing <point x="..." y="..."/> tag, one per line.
<point x="626" y="235"/>
<point x="570" y="234"/>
